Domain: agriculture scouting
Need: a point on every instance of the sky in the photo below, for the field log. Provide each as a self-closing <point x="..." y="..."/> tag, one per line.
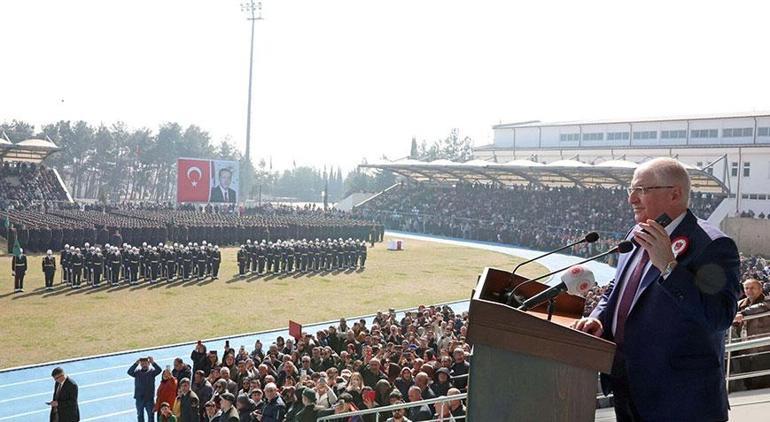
<point x="339" y="81"/>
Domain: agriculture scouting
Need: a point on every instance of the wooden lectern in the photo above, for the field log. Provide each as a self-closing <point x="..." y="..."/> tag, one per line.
<point x="524" y="367"/>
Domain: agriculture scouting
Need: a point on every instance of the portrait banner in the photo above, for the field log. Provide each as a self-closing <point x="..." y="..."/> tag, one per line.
<point x="200" y="180"/>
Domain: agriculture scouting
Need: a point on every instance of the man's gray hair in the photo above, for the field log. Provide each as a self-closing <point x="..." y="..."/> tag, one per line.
<point x="669" y="171"/>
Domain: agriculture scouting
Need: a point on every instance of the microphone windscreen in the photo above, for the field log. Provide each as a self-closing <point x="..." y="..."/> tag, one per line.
<point x="592" y="237"/>
<point x="625" y="246"/>
<point x="579" y="280"/>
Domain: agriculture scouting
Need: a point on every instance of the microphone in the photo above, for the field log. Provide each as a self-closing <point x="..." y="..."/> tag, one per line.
<point x="622" y="247"/>
<point x="578" y="280"/>
<point x="589" y="238"/>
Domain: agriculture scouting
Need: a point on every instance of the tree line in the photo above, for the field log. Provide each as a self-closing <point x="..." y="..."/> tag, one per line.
<point x="116" y="163"/>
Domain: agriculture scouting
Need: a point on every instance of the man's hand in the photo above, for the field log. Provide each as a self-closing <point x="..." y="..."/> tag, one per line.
<point x="589" y="325"/>
<point x="738" y="319"/>
<point x="656" y="242"/>
<point x="149" y="358"/>
<point x="54" y="404"/>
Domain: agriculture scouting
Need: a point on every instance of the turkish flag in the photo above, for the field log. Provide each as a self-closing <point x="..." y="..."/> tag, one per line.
<point x="192" y="180"/>
<point x="295" y="329"/>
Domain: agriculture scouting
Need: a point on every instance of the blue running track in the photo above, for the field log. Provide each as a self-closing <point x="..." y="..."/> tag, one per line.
<point x="106" y="390"/>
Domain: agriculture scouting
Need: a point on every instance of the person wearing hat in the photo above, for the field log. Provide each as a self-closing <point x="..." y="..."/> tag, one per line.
<point x="229" y="412"/>
<point x="165" y="414"/>
<point x="308" y="412"/>
<point x="19" y="268"/>
<point x="292" y="398"/>
<point x="49" y="269"/>
<point x="245" y="407"/>
<point x="442" y="383"/>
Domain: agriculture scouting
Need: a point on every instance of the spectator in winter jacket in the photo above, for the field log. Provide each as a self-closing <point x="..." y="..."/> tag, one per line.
<point x="166" y="389"/>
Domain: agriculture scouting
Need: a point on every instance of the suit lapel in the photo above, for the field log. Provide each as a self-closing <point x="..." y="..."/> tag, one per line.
<point x="684" y="227"/>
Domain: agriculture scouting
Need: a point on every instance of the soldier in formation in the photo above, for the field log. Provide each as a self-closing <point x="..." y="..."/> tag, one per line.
<point x="300" y="256"/>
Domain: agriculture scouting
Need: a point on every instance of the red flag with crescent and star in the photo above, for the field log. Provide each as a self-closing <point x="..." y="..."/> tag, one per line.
<point x="192" y="180"/>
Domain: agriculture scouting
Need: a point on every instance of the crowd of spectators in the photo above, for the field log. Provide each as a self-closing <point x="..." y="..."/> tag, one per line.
<point x="752" y="214"/>
<point x="25" y="183"/>
<point x="537" y="218"/>
<point x="343" y="368"/>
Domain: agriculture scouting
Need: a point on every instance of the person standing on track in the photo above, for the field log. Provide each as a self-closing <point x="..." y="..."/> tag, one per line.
<point x="64" y="405"/>
<point x="144" y="386"/>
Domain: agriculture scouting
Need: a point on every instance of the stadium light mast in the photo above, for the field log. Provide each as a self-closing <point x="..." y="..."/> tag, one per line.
<point x="253" y="10"/>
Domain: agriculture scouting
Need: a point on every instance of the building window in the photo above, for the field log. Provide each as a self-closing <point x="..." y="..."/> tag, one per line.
<point x="673" y="134"/>
<point x="597" y="136"/>
<point x="746" y="169"/>
<point x="763" y="131"/>
<point x="569" y="137"/>
<point x="646" y="134"/>
<point x="704" y="133"/>
<point x="617" y="136"/>
<point x="737" y="132"/>
<point x="734" y="169"/>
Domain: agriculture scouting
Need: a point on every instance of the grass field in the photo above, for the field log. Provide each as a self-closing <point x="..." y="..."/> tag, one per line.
<point x="39" y="326"/>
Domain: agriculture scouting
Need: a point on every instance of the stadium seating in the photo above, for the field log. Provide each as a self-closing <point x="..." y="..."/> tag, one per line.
<point x="22" y="184"/>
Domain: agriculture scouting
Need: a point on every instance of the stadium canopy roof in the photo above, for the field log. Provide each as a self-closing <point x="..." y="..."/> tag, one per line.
<point x="30" y="150"/>
<point x="614" y="173"/>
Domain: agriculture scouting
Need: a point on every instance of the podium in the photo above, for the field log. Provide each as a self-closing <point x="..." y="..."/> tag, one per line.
<point x="524" y="367"/>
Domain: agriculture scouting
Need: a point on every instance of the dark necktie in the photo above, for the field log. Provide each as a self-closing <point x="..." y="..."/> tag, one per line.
<point x="225" y="196"/>
<point x="632" y="285"/>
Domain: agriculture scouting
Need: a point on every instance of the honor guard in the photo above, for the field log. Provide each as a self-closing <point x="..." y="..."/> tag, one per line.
<point x="19" y="268"/>
<point x="63" y="261"/>
<point x="49" y="269"/>
<point x="216" y="259"/>
<point x="77" y="268"/>
<point x="115" y="263"/>
<point x="242" y="260"/>
<point x="97" y="262"/>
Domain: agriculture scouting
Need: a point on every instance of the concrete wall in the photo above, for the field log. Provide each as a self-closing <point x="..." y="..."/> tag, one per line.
<point x="751" y="235"/>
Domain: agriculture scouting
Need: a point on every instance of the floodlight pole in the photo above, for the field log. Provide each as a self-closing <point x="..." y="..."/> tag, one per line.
<point x="254" y="11"/>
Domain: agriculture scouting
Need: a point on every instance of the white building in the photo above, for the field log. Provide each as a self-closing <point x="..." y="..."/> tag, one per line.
<point x="734" y="148"/>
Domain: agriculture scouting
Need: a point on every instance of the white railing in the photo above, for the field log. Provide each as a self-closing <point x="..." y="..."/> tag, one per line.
<point x="442" y="401"/>
<point x="747" y="344"/>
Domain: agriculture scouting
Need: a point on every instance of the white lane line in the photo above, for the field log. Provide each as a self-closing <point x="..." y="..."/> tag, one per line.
<point x="47" y="409"/>
<point x="96" y="384"/>
<point x="96" y="418"/>
<point x="90" y="371"/>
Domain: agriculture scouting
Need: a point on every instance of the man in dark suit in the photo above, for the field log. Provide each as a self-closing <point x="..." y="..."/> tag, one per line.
<point x="64" y="405"/>
<point x="668" y="309"/>
<point x="223" y="192"/>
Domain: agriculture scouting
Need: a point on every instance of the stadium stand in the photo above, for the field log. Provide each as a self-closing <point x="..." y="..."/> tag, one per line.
<point x="22" y="184"/>
<point x="541" y="219"/>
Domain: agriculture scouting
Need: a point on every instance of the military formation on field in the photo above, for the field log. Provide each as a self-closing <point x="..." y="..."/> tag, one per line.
<point x="301" y="256"/>
<point x="131" y="265"/>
